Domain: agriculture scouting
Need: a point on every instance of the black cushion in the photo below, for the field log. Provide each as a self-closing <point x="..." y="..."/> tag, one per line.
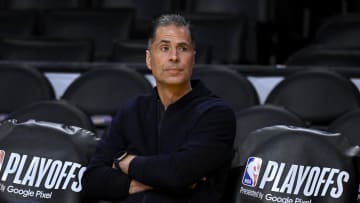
<point x="54" y="111"/>
<point x="280" y="163"/>
<point x="43" y="162"/>
<point x="230" y="85"/>
<point x="316" y="95"/>
<point x="22" y="85"/>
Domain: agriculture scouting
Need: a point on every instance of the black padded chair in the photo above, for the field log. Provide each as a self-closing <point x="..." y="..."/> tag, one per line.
<point x="341" y="30"/>
<point x="51" y="158"/>
<point x="224" y="33"/>
<point x="289" y="164"/>
<point x="145" y="11"/>
<point x="129" y="51"/>
<point x="43" y="4"/>
<point x="326" y="56"/>
<point x="348" y="125"/>
<point x="103" y="26"/>
<point x="17" y="23"/>
<point x="53" y="50"/>
<point x="230" y="85"/>
<point x="249" y="120"/>
<point x="258" y="13"/>
<point x="316" y="95"/>
<point x="54" y="111"/>
<point x="254" y="9"/>
<point x="260" y="116"/>
<point x="22" y="85"/>
<point x="101" y="91"/>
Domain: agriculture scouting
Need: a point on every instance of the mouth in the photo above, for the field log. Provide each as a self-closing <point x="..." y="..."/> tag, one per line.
<point x="173" y="70"/>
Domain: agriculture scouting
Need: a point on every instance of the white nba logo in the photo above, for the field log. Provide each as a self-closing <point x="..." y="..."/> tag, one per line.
<point x="252" y="171"/>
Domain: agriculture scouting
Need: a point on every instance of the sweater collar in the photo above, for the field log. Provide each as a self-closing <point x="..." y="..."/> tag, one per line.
<point x="198" y="89"/>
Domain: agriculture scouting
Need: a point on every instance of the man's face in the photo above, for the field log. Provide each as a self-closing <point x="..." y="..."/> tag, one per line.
<point x="171" y="56"/>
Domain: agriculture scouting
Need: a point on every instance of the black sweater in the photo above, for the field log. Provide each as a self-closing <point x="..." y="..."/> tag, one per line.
<point x="175" y="148"/>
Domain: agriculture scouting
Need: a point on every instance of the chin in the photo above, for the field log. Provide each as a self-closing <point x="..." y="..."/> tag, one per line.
<point x="176" y="81"/>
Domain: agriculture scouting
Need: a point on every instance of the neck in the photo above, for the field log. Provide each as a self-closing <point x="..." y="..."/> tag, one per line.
<point x="170" y="94"/>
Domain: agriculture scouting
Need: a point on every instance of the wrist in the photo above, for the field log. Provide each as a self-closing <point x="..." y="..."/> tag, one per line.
<point x="118" y="158"/>
<point x="124" y="164"/>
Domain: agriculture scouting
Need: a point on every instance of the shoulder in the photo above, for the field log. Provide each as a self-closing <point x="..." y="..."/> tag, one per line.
<point x="212" y="103"/>
<point x="214" y="108"/>
<point x="207" y="100"/>
<point x="136" y="102"/>
<point x="133" y="105"/>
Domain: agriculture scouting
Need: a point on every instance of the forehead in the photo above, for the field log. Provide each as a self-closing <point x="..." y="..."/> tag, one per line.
<point x="172" y="33"/>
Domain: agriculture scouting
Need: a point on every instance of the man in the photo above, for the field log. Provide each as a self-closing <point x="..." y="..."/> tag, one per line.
<point x="174" y="145"/>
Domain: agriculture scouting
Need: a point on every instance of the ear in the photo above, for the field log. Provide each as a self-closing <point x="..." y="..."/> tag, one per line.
<point x="148" y="59"/>
<point x="194" y="58"/>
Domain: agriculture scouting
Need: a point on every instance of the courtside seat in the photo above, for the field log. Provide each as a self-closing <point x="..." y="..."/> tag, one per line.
<point x="55" y="111"/>
<point x="101" y="91"/>
<point x="348" y="125"/>
<point x="103" y="26"/>
<point x="42" y="4"/>
<point x="230" y="85"/>
<point x="43" y="162"/>
<point x="43" y="49"/>
<point x="318" y="96"/>
<point x="289" y="164"/>
<point x="325" y="56"/>
<point x="17" y="23"/>
<point x="21" y="85"/>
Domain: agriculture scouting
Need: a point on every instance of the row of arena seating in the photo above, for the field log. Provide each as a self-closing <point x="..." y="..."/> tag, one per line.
<point x="323" y="160"/>
<point x="317" y="95"/>
<point x="255" y="31"/>
<point x="92" y="34"/>
<point x="271" y="148"/>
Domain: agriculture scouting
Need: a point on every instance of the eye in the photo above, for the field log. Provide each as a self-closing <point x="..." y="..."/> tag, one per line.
<point x="182" y="49"/>
<point x="164" y="48"/>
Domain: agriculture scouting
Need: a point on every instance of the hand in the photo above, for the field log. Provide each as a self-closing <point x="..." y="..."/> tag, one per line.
<point x="193" y="186"/>
<point x="136" y="186"/>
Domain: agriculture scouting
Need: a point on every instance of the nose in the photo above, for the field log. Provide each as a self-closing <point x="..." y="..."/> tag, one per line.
<point x="173" y="55"/>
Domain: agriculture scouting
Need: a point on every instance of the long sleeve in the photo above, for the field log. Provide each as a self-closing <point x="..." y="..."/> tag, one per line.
<point x="100" y="180"/>
<point x="209" y="148"/>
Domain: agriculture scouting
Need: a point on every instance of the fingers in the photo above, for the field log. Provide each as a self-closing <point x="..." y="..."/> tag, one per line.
<point x="193" y="186"/>
<point x="136" y="186"/>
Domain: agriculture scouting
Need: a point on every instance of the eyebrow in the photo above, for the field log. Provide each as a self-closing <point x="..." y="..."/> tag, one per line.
<point x="179" y="44"/>
<point x="164" y="41"/>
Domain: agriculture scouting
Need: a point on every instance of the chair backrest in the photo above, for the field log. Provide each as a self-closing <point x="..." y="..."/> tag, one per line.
<point x="288" y="164"/>
<point x="43" y="162"/>
<point x="326" y="56"/>
<point x="341" y="30"/>
<point x="145" y="10"/>
<point x="129" y="51"/>
<point x="348" y="125"/>
<point x="260" y="116"/>
<point x="101" y="91"/>
<point x="230" y="85"/>
<point x="316" y="95"/>
<point x="43" y="4"/>
<point x="251" y="119"/>
<point x="102" y="26"/>
<point x="224" y="33"/>
<point x="55" y="111"/>
<point x="17" y="23"/>
<point x="256" y="10"/>
<point x="21" y="85"/>
<point x="46" y="50"/>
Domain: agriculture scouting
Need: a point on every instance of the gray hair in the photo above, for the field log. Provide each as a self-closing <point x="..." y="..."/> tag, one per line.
<point x="170" y="19"/>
